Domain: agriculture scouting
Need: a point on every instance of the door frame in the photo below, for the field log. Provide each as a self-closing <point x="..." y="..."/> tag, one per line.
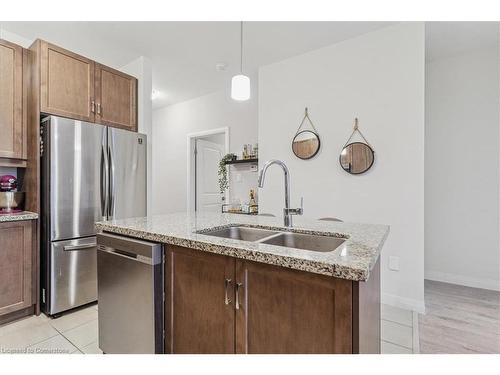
<point x="191" y="170"/>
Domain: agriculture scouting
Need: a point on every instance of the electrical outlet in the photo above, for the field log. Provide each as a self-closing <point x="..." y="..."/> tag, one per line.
<point x="394" y="263"/>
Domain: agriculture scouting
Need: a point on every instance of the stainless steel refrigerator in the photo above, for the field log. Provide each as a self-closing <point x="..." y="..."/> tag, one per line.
<point x="89" y="173"/>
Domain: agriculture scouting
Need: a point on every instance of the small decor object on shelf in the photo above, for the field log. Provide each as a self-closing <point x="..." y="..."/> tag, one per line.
<point x="253" y="208"/>
<point x="356" y="157"/>
<point x="222" y="172"/>
<point x="8" y="183"/>
<point x="306" y="143"/>
<point x="243" y="209"/>
<point x="250" y="151"/>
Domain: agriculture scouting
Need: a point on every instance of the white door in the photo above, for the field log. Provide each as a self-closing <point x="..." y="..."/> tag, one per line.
<point x="208" y="196"/>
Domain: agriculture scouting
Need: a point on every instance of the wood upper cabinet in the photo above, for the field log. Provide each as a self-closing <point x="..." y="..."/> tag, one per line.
<point x="76" y="87"/>
<point x="116" y="98"/>
<point x="13" y="123"/>
<point x="199" y="314"/>
<point x="279" y="310"/>
<point x="16" y="252"/>
<point x="66" y="83"/>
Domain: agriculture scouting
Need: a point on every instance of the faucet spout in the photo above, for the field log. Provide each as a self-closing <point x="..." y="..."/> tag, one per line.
<point x="287" y="211"/>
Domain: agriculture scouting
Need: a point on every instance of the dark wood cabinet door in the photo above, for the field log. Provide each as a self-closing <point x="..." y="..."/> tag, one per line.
<point x="12" y="98"/>
<point x="15" y="266"/>
<point x="199" y="318"/>
<point x="288" y="311"/>
<point x="116" y="98"/>
<point x="66" y="83"/>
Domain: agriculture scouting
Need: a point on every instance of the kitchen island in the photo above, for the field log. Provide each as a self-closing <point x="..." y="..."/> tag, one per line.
<point x="228" y="295"/>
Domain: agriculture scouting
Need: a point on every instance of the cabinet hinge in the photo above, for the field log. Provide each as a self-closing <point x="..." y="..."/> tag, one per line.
<point x="43" y="295"/>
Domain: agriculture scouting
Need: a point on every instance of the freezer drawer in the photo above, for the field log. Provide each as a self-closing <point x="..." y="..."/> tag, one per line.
<point x="130" y="292"/>
<point x="73" y="274"/>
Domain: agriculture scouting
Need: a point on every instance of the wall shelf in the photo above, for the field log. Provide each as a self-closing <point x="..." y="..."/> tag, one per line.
<point x="242" y="161"/>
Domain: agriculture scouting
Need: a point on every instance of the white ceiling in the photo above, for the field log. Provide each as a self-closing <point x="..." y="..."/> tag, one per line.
<point x="184" y="54"/>
<point x="444" y="39"/>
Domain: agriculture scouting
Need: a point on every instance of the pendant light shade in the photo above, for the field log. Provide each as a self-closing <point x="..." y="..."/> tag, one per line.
<point x="240" y="87"/>
<point x="240" y="84"/>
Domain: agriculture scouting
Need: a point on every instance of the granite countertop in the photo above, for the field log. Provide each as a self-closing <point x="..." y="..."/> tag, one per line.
<point x="19" y="216"/>
<point x="353" y="260"/>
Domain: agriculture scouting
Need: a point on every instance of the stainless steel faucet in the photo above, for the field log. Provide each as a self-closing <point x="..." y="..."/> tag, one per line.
<point x="287" y="211"/>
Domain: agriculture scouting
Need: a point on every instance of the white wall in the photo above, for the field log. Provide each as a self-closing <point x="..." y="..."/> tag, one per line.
<point x="8" y="170"/>
<point x="14" y="38"/>
<point x="170" y="128"/>
<point x="378" y="77"/>
<point x="462" y="195"/>
<point x="141" y="69"/>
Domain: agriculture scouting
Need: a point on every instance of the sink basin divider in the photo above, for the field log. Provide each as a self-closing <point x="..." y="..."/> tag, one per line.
<point x="272" y="236"/>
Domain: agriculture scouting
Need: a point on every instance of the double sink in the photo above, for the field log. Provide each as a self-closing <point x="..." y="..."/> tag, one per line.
<point x="304" y="241"/>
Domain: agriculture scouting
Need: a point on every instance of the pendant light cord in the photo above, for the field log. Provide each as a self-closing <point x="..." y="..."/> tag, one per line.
<point x="241" y="47"/>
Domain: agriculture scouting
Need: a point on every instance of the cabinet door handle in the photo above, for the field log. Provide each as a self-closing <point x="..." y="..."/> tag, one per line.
<point x="98" y="108"/>
<point x="237" y="302"/>
<point x="227" y="282"/>
<point x="92" y="106"/>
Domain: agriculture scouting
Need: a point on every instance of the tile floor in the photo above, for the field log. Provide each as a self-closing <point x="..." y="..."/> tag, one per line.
<point x="76" y="333"/>
<point x="399" y="331"/>
<point x="73" y="333"/>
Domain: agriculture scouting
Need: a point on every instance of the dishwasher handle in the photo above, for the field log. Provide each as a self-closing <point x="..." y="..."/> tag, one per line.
<point x="127" y="255"/>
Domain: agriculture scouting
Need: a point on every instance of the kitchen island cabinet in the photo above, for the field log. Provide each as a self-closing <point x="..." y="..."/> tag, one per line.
<point x="216" y="304"/>
<point x="198" y="309"/>
<point x="226" y="295"/>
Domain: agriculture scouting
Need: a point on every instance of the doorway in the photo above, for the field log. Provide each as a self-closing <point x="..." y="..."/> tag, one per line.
<point x="205" y="150"/>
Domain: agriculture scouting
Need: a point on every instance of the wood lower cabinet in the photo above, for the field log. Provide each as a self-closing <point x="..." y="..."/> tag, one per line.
<point x="199" y="318"/>
<point x="219" y="304"/>
<point x="16" y="266"/>
<point x="66" y="83"/>
<point x="116" y="98"/>
<point x="13" y="123"/>
<point x="286" y="311"/>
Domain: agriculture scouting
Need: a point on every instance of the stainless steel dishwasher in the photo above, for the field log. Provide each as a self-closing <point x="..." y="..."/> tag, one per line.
<point x="130" y="295"/>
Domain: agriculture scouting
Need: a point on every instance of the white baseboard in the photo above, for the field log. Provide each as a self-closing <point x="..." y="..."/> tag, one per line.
<point x="463" y="280"/>
<point x="403" y="303"/>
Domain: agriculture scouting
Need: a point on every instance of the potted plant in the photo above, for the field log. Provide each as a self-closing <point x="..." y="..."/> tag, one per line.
<point x="222" y="172"/>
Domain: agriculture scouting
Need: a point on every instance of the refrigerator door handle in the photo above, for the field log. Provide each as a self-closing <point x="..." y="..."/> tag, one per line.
<point x="111" y="204"/>
<point x="104" y="182"/>
<point x="80" y="247"/>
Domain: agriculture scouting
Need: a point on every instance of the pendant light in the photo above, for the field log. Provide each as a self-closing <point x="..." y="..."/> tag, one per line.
<point x="240" y="83"/>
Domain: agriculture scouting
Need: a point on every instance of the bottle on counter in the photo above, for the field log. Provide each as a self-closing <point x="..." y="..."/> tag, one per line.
<point x="252" y="204"/>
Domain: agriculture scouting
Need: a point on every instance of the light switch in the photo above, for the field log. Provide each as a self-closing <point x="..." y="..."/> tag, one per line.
<point x="238" y="177"/>
<point x="394" y="263"/>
